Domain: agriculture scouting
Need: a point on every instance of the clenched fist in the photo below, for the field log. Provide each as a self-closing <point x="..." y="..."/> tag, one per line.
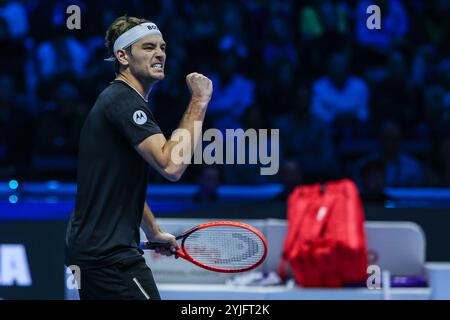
<point x="200" y="87"/>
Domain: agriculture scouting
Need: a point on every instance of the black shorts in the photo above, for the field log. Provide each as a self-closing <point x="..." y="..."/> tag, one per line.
<point x="129" y="279"/>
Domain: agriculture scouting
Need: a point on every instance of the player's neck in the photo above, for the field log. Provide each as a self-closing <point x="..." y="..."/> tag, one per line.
<point x="143" y="88"/>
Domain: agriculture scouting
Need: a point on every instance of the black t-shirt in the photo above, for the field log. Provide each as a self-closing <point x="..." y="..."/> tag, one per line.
<point x="111" y="180"/>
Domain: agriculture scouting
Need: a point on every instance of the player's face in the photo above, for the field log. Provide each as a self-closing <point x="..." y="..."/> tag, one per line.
<point x="148" y="58"/>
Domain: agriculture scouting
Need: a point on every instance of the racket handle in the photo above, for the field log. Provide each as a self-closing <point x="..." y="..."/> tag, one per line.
<point x="152" y="245"/>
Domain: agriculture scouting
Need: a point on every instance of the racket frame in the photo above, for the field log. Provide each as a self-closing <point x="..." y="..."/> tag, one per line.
<point x="181" y="252"/>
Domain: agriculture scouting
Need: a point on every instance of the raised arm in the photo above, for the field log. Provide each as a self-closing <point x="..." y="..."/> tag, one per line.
<point x="157" y="151"/>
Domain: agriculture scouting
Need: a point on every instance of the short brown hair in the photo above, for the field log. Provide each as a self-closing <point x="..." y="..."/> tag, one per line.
<point x="119" y="26"/>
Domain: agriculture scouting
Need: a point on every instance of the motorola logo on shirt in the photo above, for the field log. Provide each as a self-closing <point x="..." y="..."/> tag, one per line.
<point x="139" y="117"/>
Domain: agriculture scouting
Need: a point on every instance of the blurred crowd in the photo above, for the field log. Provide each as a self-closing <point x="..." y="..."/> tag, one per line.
<point x="373" y="105"/>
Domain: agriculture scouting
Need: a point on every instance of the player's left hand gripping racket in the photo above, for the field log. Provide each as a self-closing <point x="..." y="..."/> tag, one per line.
<point x="221" y="246"/>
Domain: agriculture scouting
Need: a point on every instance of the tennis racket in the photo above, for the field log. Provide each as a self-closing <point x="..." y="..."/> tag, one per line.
<point x="221" y="246"/>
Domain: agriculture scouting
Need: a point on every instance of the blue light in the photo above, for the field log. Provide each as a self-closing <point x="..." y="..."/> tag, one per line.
<point x="51" y="199"/>
<point x="389" y="204"/>
<point x="53" y="185"/>
<point x="13" y="184"/>
<point x="13" y="199"/>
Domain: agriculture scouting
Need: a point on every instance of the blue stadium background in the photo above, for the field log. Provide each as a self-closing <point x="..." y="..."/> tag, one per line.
<point x="371" y="105"/>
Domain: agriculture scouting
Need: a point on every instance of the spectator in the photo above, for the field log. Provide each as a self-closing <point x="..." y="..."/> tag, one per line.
<point x="339" y="95"/>
<point x="290" y="177"/>
<point x="16" y="16"/>
<point x="400" y="169"/>
<point x="250" y="173"/>
<point x="13" y="67"/>
<point x="232" y="38"/>
<point x="443" y="167"/>
<point x="393" y="95"/>
<point x="208" y="182"/>
<point x="233" y="94"/>
<point x="280" y="44"/>
<point x="373" y="181"/>
<point x="437" y="98"/>
<point x="439" y="174"/>
<point x="19" y="128"/>
<point x="394" y="24"/>
<point x="319" y="17"/>
<point x="307" y="139"/>
<point x="60" y="124"/>
<point x="260" y="53"/>
<point x="61" y="55"/>
<point x="436" y="24"/>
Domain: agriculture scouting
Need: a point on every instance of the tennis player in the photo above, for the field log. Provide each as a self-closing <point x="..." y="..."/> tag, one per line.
<point x="119" y="139"/>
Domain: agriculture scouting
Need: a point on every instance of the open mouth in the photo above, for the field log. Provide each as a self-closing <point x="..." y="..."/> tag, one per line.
<point x="157" y="66"/>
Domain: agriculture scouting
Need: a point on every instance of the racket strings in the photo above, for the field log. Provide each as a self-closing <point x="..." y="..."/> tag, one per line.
<point x="225" y="247"/>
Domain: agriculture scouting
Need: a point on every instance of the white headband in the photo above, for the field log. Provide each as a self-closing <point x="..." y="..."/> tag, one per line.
<point x="133" y="35"/>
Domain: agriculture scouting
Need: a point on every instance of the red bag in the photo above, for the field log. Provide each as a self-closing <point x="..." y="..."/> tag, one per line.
<point x="325" y="244"/>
